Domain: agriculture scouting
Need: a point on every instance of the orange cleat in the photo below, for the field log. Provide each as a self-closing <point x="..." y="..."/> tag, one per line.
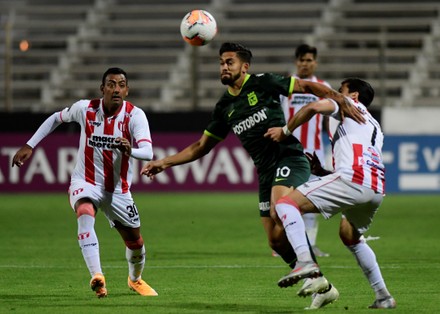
<point x="142" y="288"/>
<point x="97" y="283"/>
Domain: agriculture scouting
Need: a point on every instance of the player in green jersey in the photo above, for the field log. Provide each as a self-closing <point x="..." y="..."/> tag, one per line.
<point x="249" y="107"/>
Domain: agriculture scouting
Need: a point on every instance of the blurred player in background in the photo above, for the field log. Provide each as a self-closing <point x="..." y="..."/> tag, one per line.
<point x="249" y="107"/>
<point x="309" y="133"/>
<point x="355" y="189"/>
<point x="113" y="132"/>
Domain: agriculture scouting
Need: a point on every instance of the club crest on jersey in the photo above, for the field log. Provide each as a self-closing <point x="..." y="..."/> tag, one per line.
<point x="252" y="99"/>
<point x="122" y="126"/>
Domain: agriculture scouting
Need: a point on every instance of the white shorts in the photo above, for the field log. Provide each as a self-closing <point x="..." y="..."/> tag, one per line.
<point x="119" y="207"/>
<point x="331" y="195"/>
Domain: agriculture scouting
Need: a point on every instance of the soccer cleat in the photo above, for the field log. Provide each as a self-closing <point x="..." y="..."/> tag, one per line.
<point x="302" y="270"/>
<point x="141" y="287"/>
<point x="386" y="303"/>
<point x="97" y="283"/>
<point x="318" y="252"/>
<point x="322" y="299"/>
<point x="313" y="285"/>
<point x="275" y="254"/>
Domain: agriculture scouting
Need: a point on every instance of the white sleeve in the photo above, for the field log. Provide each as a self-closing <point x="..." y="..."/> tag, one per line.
<point x="45" y="129"/>
<point x="140" y="131"/>
<point x="143" y="152"/>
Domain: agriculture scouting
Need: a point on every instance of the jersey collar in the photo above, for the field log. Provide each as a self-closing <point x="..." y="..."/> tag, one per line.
<point x="244" y="82"/>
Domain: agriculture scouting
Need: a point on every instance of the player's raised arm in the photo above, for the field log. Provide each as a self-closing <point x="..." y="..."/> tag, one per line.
<point x="320" y="90"/>
<point x="324" y="106"/>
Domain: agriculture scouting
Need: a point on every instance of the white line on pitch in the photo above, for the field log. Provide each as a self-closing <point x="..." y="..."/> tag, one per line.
<point x="193" y="266"/>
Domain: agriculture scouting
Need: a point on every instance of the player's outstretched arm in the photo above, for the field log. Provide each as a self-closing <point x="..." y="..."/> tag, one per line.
<point x="192" y="152"/>
<point x="22" y="155"/>
<point x="324" y="106"/>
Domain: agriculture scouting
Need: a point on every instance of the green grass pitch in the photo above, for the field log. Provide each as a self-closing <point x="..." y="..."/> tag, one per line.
<point x="207" y="253"/>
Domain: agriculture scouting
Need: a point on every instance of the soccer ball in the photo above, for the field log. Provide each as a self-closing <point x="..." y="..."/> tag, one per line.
<point x="198" y="27"/>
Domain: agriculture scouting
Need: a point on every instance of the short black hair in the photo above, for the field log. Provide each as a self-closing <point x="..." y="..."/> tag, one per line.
<point x="301" y="50"/>
<point x="243" y="53"/>
<point x="114" y="71"/>
<point x="366" y="92"/>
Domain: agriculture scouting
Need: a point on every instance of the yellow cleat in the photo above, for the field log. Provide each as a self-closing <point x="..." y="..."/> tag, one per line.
<point x="142" y="288"/>
<point x="97" y="283"/>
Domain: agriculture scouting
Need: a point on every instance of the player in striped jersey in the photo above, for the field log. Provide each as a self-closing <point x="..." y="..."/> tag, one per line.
<point x="112" y="131"/>
<point x="310" y="132"/>
<point x="355" y="188"/>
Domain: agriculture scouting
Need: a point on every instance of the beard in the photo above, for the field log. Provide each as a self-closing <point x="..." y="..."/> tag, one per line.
<point x="229" y="80"/>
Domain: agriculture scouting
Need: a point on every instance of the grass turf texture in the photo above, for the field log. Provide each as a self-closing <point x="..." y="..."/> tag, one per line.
<point x="207" y="253"/>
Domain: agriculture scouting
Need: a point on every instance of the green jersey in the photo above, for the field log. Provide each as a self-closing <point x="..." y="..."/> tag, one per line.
<point x="251" y="113"/>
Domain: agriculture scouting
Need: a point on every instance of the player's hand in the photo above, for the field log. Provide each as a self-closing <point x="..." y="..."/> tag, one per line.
<point x="152" y="168"/>
<point x="22" y="155"/>
<point x="123" y="145"/>
<point x="315" y="165"/>
<point x="276" y="134"/>
<point x="348" y="110"/>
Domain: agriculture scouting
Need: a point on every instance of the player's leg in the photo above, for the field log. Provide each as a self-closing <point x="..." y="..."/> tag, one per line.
<point x="351" y="236"/>
<point x="278" y="241"/>
<point x="124" y="216"/>
<point x="292" y="172"/>
<point x="315" y="284"/>
<point x="135" y="255"/>
<point x="87" y="238"/>
<point x="80" y="197"/>
<point x="288" y="209"/>
<point x="311" y="223"/>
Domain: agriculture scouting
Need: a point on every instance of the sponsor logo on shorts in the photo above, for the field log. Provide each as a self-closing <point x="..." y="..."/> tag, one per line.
<point x="280" y="179"/>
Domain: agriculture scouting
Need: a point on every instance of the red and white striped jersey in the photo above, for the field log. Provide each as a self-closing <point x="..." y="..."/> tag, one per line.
<point x="309" y="133"/>
<point x="357" y="151"/>
<point x="97" y="161"/>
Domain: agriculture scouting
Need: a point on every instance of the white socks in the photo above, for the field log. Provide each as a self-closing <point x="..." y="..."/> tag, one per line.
<point x="367" y="261"/>
<point x="295" y="229"/>
<point x="136" y="262"/>
<point x="88" y="242"/>
<point x="311" y="223"/>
